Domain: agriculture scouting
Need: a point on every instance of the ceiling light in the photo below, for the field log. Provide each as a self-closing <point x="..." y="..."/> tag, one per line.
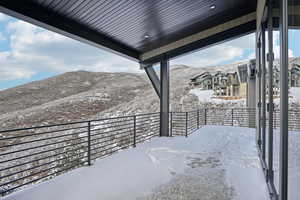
<point x="147" y="36"/>
<point x="212" y="7"/>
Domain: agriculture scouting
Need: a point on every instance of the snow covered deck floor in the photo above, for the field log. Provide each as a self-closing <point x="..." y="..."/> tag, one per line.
<point x="212" y="163"/>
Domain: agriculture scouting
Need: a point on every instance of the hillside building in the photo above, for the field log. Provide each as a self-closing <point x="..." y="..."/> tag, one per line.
<point x="235" y="84"/>
<point x="224" y="84"/>
<point x="294" y="76"/>
<point x="242" y="74"/>
<point x="203" y="81"/>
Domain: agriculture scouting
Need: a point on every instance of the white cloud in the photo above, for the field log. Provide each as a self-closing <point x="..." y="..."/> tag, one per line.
<point x="34" y="50"/>
<point x="243" y="43"/>
<point x="210" y="56"/>
<point x="13" y="73"/>
<point x="2" y="37"/>
<point x="10" y="71"/>
<point x="228" y="51"/>
<point x="231" y="51"/>
<point x="3" y="17"/>
<point x="276" y="47"/>
<point x="251" y="56"/>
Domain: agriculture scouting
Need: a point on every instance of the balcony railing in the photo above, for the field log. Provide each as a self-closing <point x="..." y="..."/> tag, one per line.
<point x="31" y="155"/>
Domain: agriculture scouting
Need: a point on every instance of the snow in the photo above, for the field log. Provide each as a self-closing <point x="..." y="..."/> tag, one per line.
<point x="294" y="96"/>
<point x="203" y="95"/>
<point x="207" y="96"/>
<point x="214" y="163"/>
<point x="295" y="93"/>
<point x="293" y="161"/>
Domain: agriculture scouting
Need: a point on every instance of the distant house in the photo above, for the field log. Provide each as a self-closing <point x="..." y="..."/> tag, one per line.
<point x="242" y="73"/>
<point x="236" y="84"/>
<point x="223" y="84"/>
<point x="276" y="77"/>
<point x="295" y="76"/>
<point x="233" y="84"/>
<point x="220" y="83"/>
<point x="203" y="81"/>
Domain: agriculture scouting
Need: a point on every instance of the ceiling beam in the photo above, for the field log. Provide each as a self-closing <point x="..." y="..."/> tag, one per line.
<point x="260" y="10"/>
<point x="153" y="78"/>
<point x="195" y="38"/>
<point x="37" y="15"/>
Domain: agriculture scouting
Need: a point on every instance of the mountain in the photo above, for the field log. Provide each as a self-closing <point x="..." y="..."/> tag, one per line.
<point x="68" y="97"/>
<point x="82" y="95"/>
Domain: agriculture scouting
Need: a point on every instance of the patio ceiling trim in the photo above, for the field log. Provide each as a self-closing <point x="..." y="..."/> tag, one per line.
<point x="246" y="19"/>
<point x="294" y="16"/>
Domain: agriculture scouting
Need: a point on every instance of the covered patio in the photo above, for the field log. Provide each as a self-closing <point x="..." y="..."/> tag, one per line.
<point x="214" y="162"/>
<point x="152" y="33"/>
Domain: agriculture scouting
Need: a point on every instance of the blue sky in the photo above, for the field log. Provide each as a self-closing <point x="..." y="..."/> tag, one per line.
<point x="29" y="53"/>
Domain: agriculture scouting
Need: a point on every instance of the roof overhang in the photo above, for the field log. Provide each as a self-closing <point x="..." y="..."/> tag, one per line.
<point x="294" y="16"/>
<point x="232" y="29"/>
<point x="119" y="26"/>
<point x="37" y="15"/>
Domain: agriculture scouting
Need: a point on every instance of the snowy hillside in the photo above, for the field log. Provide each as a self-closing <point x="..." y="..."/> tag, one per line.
<point x="82" y="95"/>
<point x="68" y="97"/>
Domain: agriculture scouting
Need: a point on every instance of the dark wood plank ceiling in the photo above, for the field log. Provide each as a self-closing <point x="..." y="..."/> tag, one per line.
<point x="131" y="26"/>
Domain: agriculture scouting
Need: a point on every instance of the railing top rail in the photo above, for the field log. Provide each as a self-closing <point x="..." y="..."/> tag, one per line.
<point x="125" y="116"/>
<point x="229" y="108"/>
<point x="143" y="114"/>
<point x="44" y="126"/>
<point x="73" y="123"/>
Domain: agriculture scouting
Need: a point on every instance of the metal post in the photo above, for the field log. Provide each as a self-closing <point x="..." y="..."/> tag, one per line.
<point x="134" y="131"/>
<point x="205" y="114"/>
<point x="258" y="92"/>
<point x="275" y="120"/>
<point x="89" y="143"/>
<point x="232" y="117"/>
<point x="198" y="119"/>
<point x="271" y="107"/>
<point x="186" y="124"/>
<point x="164" y="98"/>
<point x="171" y="124"/>
<point x="283" y="156"/>
<point x="263" y="90"/>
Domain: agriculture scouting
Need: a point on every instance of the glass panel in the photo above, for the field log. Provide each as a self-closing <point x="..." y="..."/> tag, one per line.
<point x="294" y="100"/>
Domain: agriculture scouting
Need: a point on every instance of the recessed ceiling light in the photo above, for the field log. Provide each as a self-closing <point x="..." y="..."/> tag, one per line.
<point x="147" y="36"/>
<point x="212" y="7"/>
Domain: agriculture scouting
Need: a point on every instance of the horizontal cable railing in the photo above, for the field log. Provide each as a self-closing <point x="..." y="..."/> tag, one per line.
<point x="242" y="117"/>
<point x="185" y="123"/>
<point x="31" y="155"/>
<point x="178" y="123"/>
<point x="294" y="119"/>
